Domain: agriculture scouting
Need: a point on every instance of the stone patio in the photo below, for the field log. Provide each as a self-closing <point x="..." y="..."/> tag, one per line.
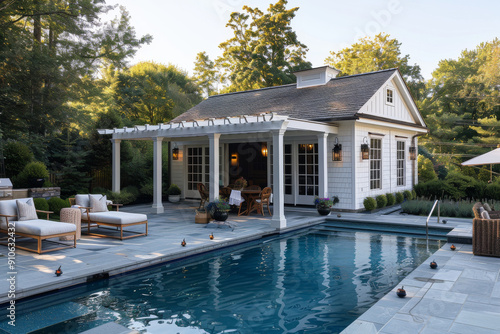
<point x="461" y="296"/>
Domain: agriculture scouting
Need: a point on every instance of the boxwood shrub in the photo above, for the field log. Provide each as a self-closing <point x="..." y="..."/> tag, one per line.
<point x="399" y="197"/>
<point x="381" y="201"/>
<point x="41" y="204"/>
<point x="390" y="199"/>
<point x="370" y="203"/>
<point x="407" y="195"/>
<point x="56" y="204"/>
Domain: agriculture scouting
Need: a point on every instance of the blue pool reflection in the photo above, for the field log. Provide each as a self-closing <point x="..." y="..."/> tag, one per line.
<point x="314" y="282"/>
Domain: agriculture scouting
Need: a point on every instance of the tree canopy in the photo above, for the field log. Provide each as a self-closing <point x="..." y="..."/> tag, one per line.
<point x="264" y="50"/>
<point x="377" y="53"/>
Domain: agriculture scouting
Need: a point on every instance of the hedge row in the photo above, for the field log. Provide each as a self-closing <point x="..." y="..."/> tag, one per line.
<point x="448" y="208"/>
<point x="388" y="199"/>
<point x="54" y="204"/>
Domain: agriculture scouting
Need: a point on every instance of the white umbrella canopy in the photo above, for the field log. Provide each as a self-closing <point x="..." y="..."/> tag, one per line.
<point x="490" y="158"/>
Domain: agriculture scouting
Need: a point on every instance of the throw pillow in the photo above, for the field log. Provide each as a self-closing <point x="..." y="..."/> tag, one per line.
<point x="486" y="206"/>
<point x="98" y="204"/>
<point x="26" y="210"/>
<point x="480" y="210"/>
<point x="485" y="215"/>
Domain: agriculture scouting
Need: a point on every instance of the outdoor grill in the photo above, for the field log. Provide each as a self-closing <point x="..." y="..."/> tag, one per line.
<point x="5" y="189"/>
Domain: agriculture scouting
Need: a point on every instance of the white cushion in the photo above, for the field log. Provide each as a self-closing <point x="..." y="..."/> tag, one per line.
<point x="41" y="227"/>
<point x="84" y="199"/>
<point x="26" y="210"/>
<point x="9" y="208"/>
<point x="485" y="215"/>
<point x="98" y="204"/>
<point x="116" y="217"/>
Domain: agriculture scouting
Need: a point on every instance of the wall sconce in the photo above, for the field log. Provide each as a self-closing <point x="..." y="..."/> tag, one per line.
<point x="337" y="151"/>
<point x="365" y="150"/>
<point x="175" y="153"/>
<point x="264" y="150"/>
<point x="234" y="159"/>
<point x="413" y="153"/>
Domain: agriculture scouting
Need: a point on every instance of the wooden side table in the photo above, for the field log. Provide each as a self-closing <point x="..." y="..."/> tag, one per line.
<point x="72" y="216"/>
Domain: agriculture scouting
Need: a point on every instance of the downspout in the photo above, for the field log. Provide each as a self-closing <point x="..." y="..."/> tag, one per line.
<point x="416" y="159"/>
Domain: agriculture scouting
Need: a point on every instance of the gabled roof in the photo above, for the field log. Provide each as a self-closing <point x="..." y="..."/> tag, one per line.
<point x="341" y="98"/>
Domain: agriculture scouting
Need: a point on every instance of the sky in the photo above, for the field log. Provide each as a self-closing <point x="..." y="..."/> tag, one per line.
<point x="429" y="31"/>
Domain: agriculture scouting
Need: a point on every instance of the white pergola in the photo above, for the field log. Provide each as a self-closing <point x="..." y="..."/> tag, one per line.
<point x="271" y="124"/>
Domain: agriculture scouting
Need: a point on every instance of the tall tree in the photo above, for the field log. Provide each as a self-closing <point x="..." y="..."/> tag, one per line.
<point x="46" y="49"/>
<point x="205" y="74"/>
<point x="378" y="53"/>
<point x="153" y="93"/>
<point x="463" y="105"/>
<point x="264" y="50"/>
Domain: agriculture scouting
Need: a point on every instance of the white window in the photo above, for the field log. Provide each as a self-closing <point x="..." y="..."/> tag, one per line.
<point x="375" y="163"/>
<point x="400" y="163"/>
<point x="389" y="96"/>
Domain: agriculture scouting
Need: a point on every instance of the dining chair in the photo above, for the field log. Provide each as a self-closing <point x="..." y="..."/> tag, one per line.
<point x="264" y="199"/>
<point x="202" y="189"/>
<point x="225" y="193"/>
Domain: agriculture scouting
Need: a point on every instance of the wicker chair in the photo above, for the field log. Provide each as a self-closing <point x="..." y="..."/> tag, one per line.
<point x="485" y="234"/>
<point x="264" y="199"/>
<point x="225" y="193"/>
<point x="204" y="196"/>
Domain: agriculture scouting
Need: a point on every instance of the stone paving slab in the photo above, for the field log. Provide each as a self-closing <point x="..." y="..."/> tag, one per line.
<point x="451" y="299"/>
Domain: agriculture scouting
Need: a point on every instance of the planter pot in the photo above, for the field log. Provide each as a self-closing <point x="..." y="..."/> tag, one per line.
<point x="323" y="211"/>
<point x="221" y="215"/>
<point x="174" y="198"/>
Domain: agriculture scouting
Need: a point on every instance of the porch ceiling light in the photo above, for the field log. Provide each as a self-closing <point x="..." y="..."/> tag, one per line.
<point x="337" y="151"/>
<point x="264" y="150"/>
<point x="413" y="153"/>
<point x="365" y="149"/>
<point x="175" y="153"/>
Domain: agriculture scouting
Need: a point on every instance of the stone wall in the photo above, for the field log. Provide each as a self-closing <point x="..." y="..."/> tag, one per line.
<point x="44" y="192"/>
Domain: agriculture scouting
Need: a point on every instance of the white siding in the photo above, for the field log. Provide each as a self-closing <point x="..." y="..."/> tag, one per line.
<point x="377" y="105"/>
<point x="340" y="173"/>
<point x="389" y="173"/>
<point x="178" y="171"/>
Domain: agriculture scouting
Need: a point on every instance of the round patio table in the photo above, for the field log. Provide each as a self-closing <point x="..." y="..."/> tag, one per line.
<point x="250" y="196"/>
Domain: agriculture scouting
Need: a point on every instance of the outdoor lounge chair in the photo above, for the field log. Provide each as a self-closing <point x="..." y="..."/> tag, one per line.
<point x="25" y="223"/>
<point x="485" y="233"/>
<point x="96" y="214"/>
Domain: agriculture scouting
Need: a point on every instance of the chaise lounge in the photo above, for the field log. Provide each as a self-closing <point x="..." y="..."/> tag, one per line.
<point x="18" y="217"/>
<point x="96" y="214"/>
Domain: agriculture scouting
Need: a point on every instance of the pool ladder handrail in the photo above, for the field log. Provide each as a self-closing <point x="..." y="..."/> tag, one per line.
<point x="436" y="202"/>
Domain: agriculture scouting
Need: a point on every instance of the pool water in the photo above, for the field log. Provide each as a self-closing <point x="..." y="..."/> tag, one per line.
<point x="317" y="281"/>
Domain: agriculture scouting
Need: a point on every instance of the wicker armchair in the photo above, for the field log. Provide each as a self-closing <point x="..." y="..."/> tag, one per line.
<point x="485" y="234"/>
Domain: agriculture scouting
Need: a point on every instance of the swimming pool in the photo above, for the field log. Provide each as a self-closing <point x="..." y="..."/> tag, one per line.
<point x="315" y="281"/>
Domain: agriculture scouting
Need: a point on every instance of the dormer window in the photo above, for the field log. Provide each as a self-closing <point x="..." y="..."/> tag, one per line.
<point x="389" y="96"/>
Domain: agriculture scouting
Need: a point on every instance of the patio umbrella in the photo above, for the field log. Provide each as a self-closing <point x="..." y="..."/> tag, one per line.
<point x="490" y="158"/>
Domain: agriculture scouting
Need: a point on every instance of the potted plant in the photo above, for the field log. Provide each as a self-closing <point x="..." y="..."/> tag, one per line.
<point x="323" y="205"/>
<point x="240" y="183"/>
<point x="174" y="193"/>
<point x="219" y="209"/>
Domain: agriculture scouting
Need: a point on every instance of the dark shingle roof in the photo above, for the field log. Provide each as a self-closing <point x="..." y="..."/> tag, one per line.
<point x="340" y="98"/>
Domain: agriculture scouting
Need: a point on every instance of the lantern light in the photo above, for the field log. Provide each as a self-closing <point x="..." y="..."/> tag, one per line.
<point x="365" y="150"/>
<point x="413" y="153"/>
<point x="337" y="151"/>
<point x="175" y="153"/>
<point x="234" y="159"/>
<point x="264" y="150"/>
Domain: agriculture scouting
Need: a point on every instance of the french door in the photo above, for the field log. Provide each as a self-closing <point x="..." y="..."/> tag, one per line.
<point x="198" y="168"/>
<point x="300" y="172"/>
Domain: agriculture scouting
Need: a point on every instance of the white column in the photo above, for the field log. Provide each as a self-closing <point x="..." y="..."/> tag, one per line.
<point x="323" y="164"/>
<point x="213" y="190"/>
<point x="157" y="181"/>
<point x="279" y="220"/>
<point x="115" y="176"/>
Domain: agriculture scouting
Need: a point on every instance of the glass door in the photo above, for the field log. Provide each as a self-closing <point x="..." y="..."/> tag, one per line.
<point x="198" y="169"/>
<point x="308" y="173"/>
